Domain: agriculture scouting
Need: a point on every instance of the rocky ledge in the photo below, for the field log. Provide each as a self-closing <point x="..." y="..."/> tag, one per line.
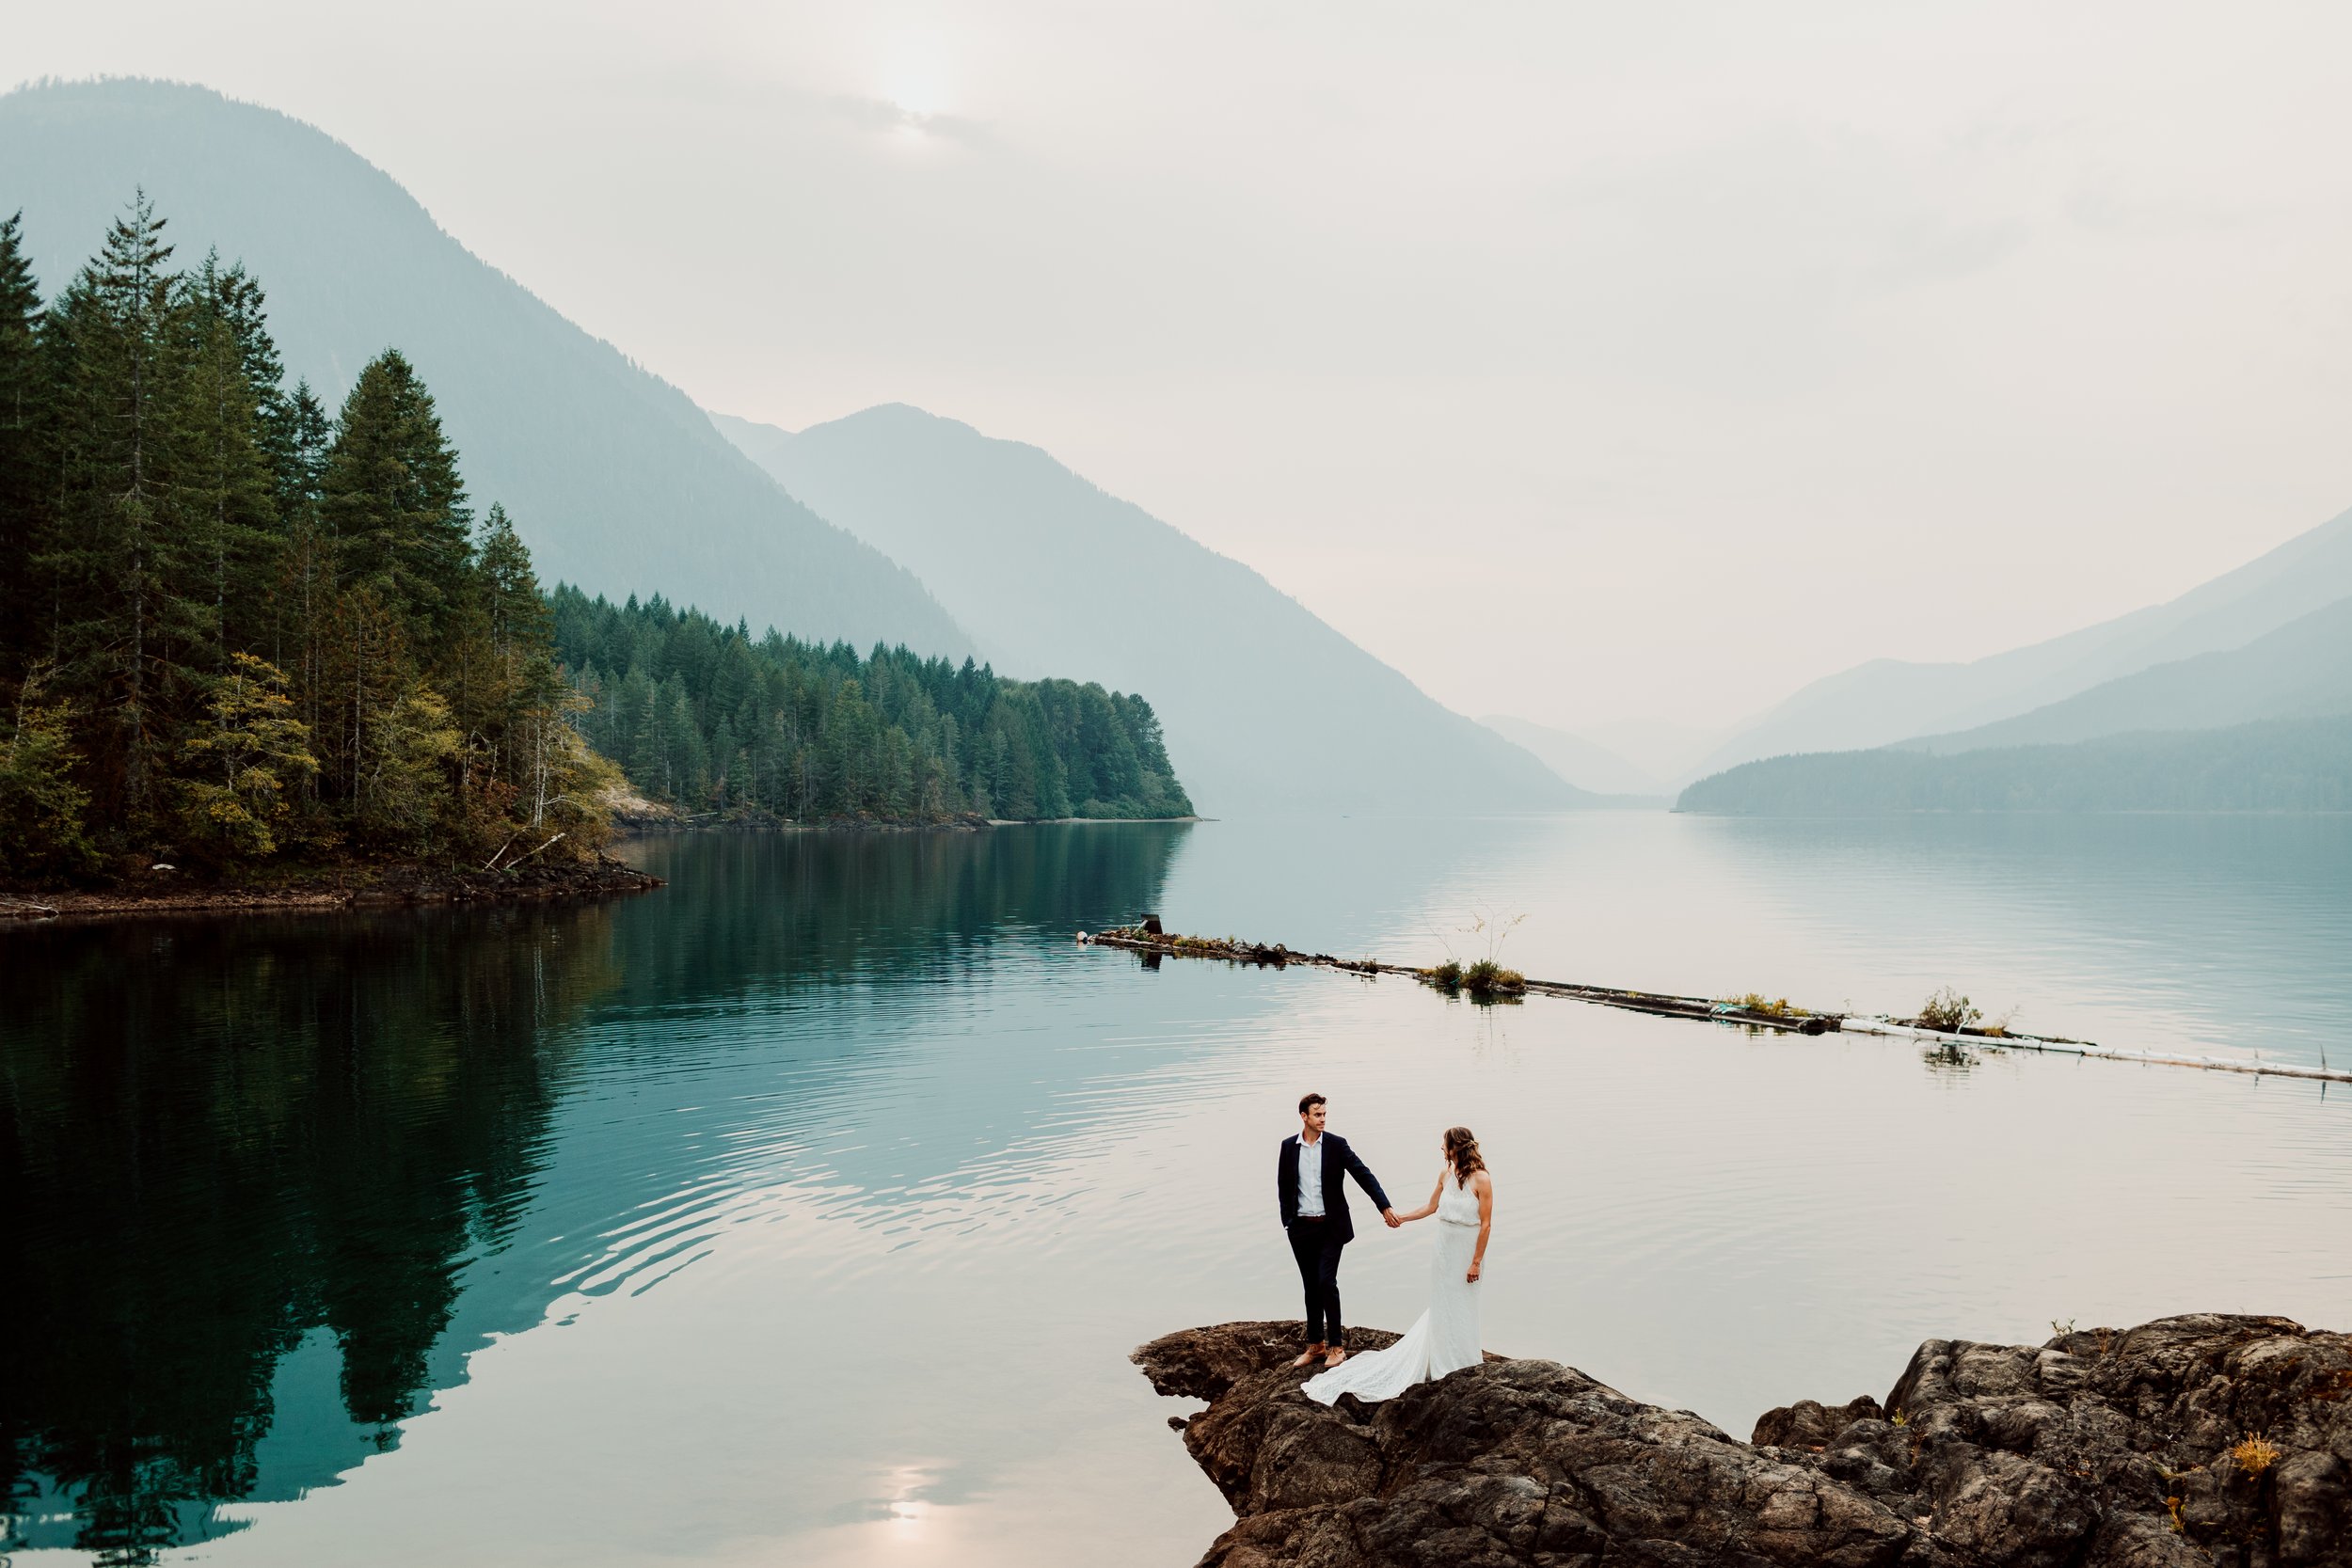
<point x="2194" y="1440"/>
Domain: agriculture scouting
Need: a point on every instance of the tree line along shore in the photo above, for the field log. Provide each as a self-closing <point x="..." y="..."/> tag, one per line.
<point x="247" y="643"/>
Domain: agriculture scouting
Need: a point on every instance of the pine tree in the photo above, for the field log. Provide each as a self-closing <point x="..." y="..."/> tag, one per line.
<point x="228" y="478"/>
<point x="521" y="627"/>
<point x="24" y="456"/>
<point x="635" y="736"/>
<point x="301" y="436"/>
<point x="365" y="670"/>
<point x="394" y="503"/>
<point x="126" y="565"/>
<point x="170" y="514"/>
<point x="307" y="582"/>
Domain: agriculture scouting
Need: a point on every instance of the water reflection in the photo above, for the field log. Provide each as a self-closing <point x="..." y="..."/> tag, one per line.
<point x="264" y="1178"/>
<point x="1948" y="1056"/>
<point x="778" y="914"/>
<point x="224" y="1144"/>
<point x="854" y="1177"/>
<point x="2203" y="934"/>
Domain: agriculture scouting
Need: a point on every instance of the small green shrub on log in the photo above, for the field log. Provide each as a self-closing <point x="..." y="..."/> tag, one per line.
<point x="1948" y="1012"/>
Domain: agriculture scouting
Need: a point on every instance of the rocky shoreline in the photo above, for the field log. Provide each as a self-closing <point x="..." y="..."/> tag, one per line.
<point x="324" y="890"/>
<point x="2201" y="1441"/>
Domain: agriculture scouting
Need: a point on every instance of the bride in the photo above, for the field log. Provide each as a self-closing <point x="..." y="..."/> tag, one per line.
<point x="1445" y="1338"/>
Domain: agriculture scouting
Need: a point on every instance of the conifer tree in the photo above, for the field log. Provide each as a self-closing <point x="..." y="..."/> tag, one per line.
<point x="127" y="565"/>
<point x="394" y="503"/>
<point x="306" y="587"/>
<point x="300" y="434"/>
<point x="23" y="453"/>
<point x="177" y="528"/>
<point x="229" y="479"/>
<point x="521" y="625"/>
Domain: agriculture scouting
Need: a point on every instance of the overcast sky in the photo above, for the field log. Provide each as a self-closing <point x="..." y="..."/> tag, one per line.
<point x="1584" y="361"/>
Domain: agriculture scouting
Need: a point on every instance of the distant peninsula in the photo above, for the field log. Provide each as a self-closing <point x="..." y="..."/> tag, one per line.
<point x="2272" y="765"/>
<point x="254" y="656"/>
<point x="708" y="718"/>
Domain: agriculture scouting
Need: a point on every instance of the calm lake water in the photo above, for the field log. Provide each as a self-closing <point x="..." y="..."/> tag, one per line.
<point x="804" y="1211"/>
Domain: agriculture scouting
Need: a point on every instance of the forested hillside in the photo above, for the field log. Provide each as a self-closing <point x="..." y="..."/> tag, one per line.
<point x="1268" y="708"/>
<point x="709" y="718"/>
<point x="233" y="629"/>
<point x="2274" y="766"/>
<point x="614" y="477"/>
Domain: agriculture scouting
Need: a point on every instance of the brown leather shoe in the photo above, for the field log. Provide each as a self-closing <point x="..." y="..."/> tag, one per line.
<point x="1309" y="1355"/>
<point x="1339" y="1353"/>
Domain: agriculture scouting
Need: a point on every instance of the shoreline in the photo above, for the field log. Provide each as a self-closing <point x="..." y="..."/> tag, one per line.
<point x="334" y="889"/>
<point x="325" y="891"/>
<point x="650" y="824"/>
<point x="1086" y="821"/>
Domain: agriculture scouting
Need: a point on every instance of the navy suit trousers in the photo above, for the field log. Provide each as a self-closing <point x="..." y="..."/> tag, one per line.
<point x="1316" y="1245"/>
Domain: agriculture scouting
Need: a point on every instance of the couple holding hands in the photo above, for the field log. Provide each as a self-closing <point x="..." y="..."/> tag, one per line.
<point x="1310" y="1180"/>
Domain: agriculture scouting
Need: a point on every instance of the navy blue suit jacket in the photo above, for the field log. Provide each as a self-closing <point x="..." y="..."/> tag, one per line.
<point x="1337" y="1157"/>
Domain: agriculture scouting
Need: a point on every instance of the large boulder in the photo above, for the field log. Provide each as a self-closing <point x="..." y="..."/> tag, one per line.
<point x="2194" y="1440"/>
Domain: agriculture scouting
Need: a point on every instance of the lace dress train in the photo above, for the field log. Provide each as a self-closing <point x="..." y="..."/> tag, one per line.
<point x="1442" y="1339"/>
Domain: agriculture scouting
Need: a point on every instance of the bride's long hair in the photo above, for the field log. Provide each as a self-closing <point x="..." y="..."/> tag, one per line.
<point x="1461" y="1148"/>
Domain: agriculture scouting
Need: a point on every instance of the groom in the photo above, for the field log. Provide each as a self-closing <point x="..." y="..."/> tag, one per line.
<point x="1308" y="1181"/>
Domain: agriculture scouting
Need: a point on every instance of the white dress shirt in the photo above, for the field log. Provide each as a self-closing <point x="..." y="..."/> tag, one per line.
<point x="1311" y="1178"/>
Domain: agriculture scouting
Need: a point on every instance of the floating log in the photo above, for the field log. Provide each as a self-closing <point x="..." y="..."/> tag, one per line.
<point x="1152" y="943"/>
<point x="1141" y="938"/>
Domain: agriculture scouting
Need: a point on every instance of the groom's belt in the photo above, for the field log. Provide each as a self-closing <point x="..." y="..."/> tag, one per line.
<point x="1312" y="1219"/>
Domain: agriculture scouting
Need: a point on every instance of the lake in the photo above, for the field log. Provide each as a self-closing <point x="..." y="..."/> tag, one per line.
<point x="805" y="1209"/>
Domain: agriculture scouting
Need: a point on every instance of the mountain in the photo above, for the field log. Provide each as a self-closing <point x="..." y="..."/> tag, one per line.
<point x="613" y="477"/>
<point x="2277" y="765"/>
<point x="1580" y="762"/>
<point x="2302" y="669"/>
<point x="1890" y="700"/>
<point x="1265" y="707"/>
<point x="1661" y="748"/>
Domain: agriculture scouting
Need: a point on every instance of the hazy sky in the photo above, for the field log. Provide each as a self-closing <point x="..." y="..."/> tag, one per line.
<point x="1584" y="361"/>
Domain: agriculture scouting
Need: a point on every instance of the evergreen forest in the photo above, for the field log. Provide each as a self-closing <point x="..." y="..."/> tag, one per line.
<point x="233" y="628"/>
<point x="711" y="719"/>
<point x="239" y="629"/>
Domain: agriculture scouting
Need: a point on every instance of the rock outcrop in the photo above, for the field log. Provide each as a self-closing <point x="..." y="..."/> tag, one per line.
<point x="2188" y="1442"/>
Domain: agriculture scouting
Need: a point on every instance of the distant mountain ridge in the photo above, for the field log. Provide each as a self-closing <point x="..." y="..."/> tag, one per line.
<point x="1887" y="701"/>
<point x="2302" y="669"/>
<point x="1265" y="706"/>
<point x="614" y="477"/>
<point x="1581" y="762"/>
<point x="2278" y="765"/>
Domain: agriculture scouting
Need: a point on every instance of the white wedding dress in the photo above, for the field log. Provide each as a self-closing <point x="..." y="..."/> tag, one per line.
<point x="1442" y="1339"/>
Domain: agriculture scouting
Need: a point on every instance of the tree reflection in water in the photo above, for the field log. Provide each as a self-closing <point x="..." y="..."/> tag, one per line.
<point x="222" y="1136"/>
<point x="249" y="1163"/>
